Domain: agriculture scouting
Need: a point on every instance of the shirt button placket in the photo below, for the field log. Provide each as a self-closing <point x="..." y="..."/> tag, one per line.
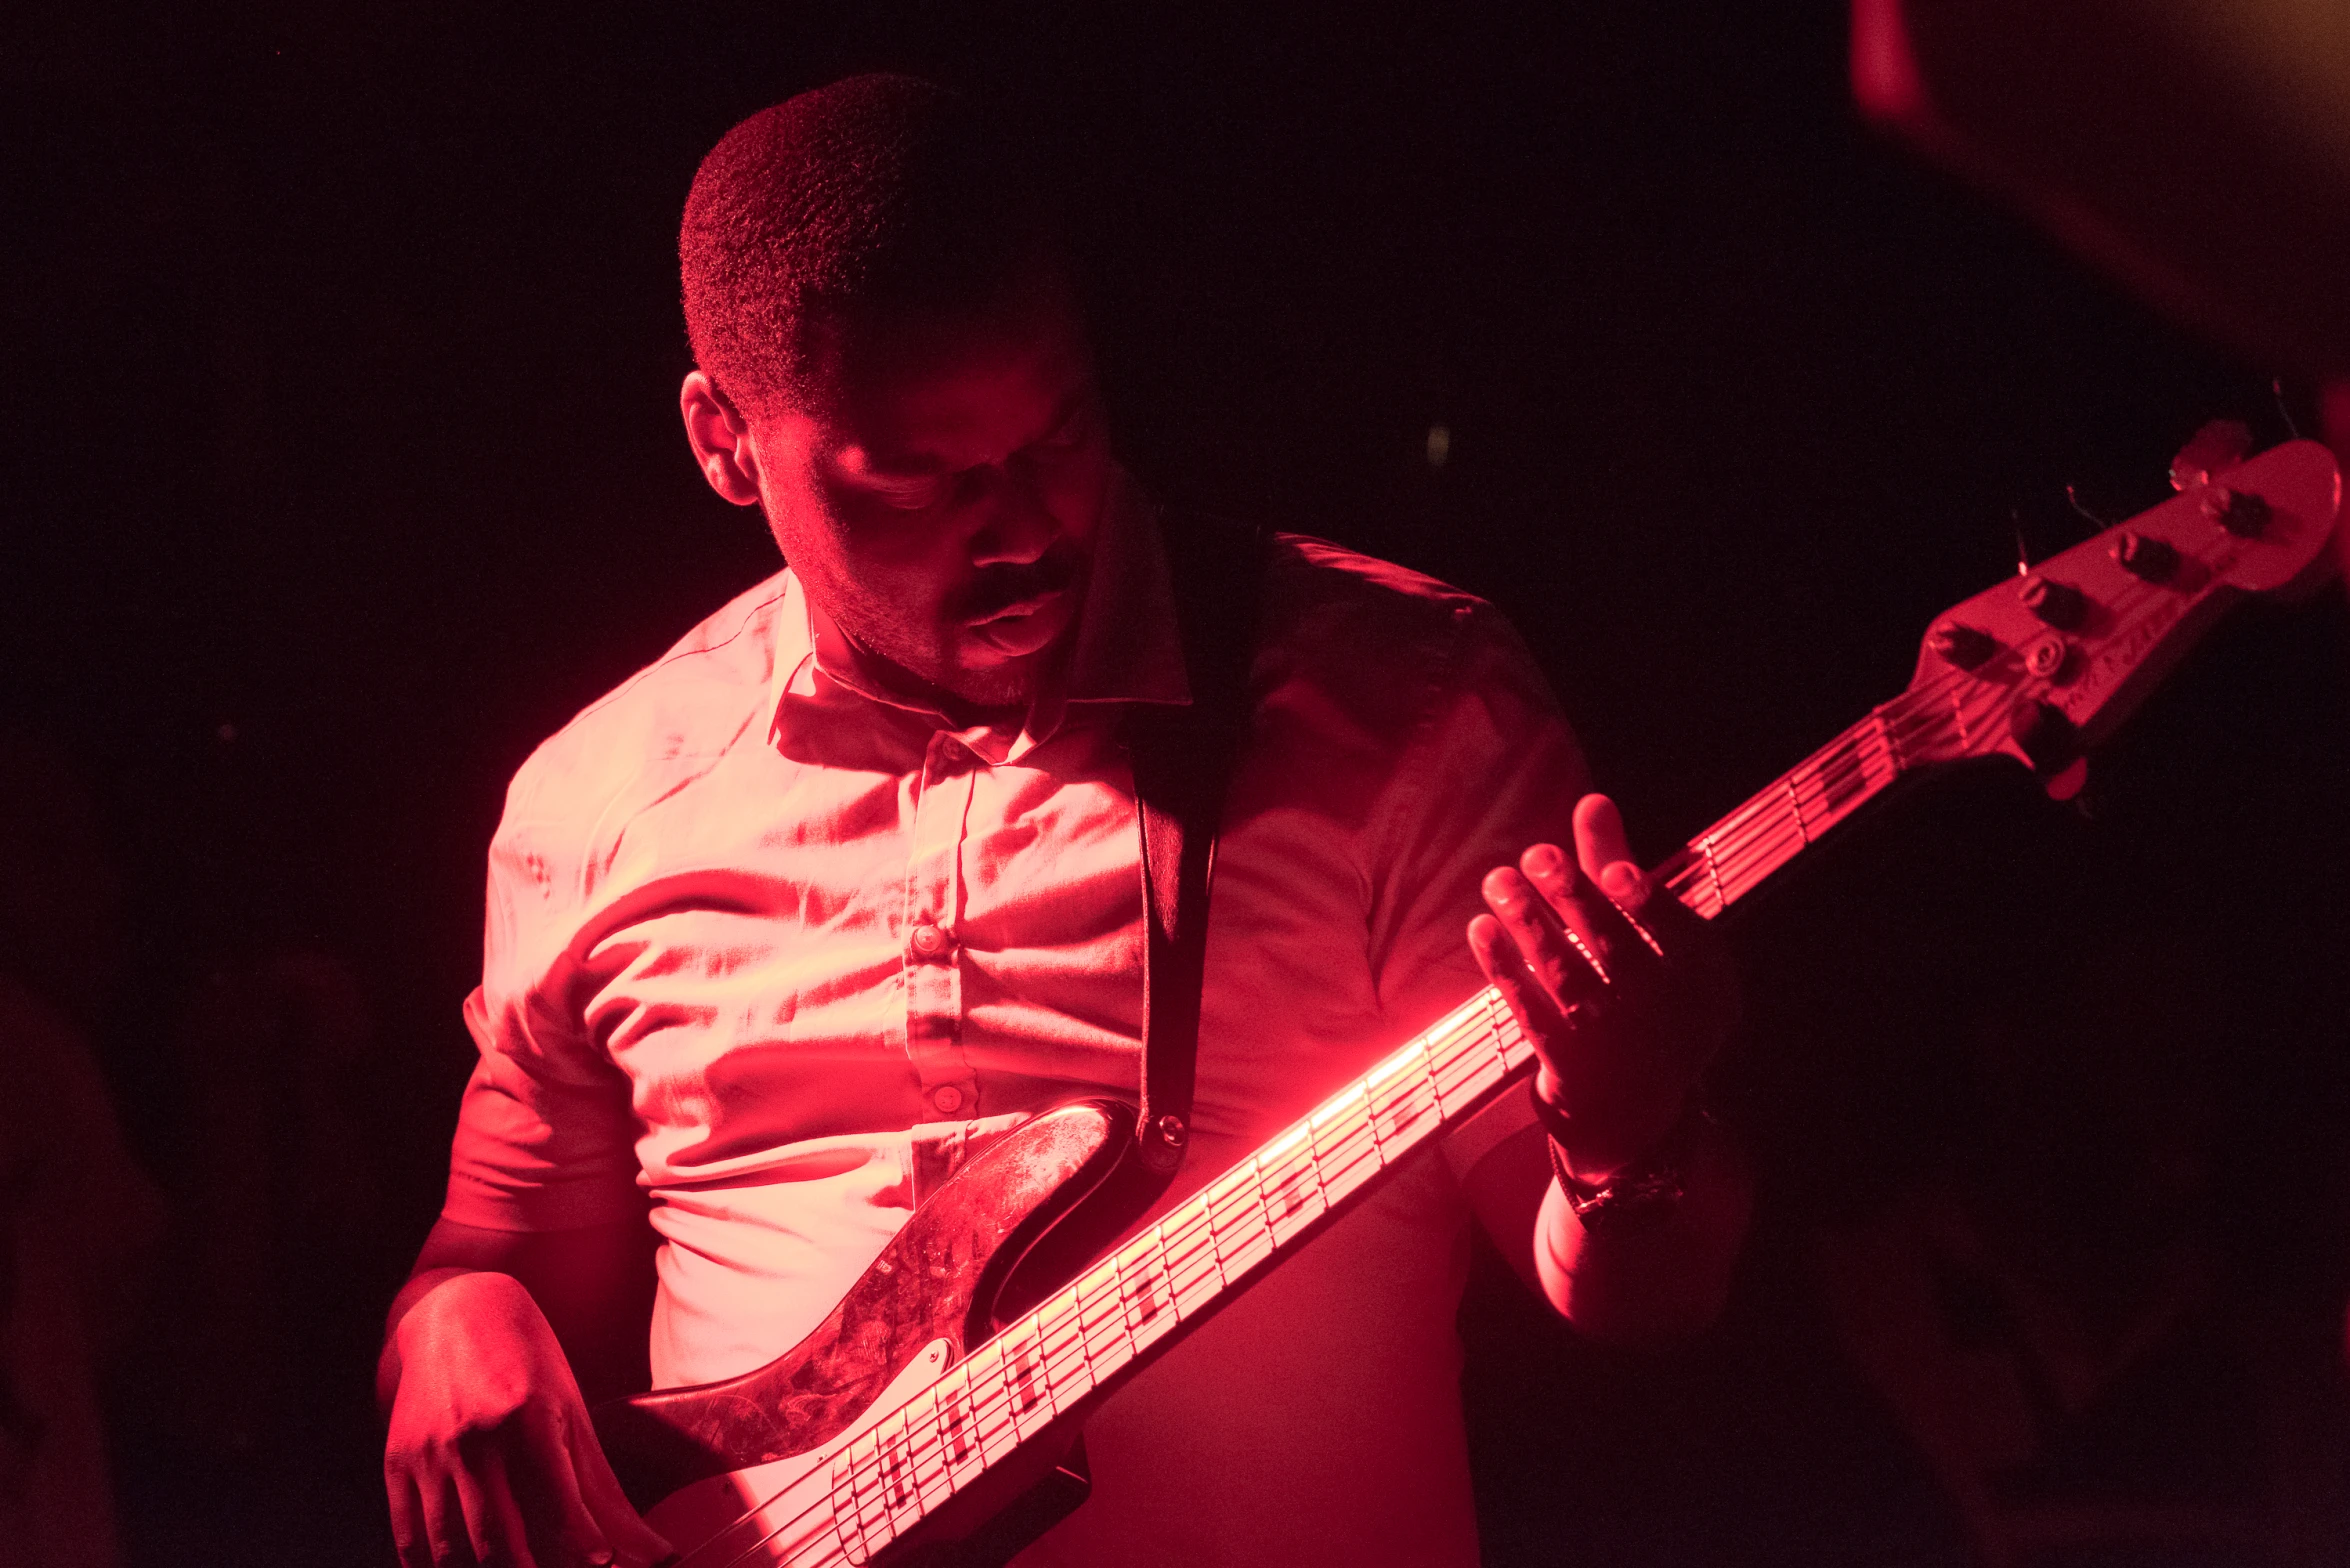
<point x="933" y="978"/>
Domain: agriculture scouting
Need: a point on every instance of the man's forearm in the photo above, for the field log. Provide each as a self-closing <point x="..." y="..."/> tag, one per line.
<point x="387" y="1363"/>
<point x="1659" y="1282"/>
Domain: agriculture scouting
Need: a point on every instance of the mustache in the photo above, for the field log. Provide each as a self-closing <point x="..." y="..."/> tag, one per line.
<point x="1000" y="585"/>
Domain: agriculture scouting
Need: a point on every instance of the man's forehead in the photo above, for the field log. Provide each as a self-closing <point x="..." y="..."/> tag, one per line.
<point x="965" y="386"/>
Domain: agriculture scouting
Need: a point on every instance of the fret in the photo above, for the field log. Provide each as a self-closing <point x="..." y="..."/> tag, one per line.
<point x="1100" y="1314"/>
<point x="999" y="1425"/>
<point x="1236" y="1216"/>
<point x="1294" y="1196"/>
<point x="1142" y="1295"/>
<point x="1427" y="1061"/>
<point x="1164" y="1277"/>
<point x="1396" y="1098"/>
<point x="1191" y="1246"/>
<point x="1096" y="1334"/>
<point x="1344" y="1149"/>
<point x="928" y="1476"/>
<point x="1026" y="1389"/>
<point x="957" y="1441"/>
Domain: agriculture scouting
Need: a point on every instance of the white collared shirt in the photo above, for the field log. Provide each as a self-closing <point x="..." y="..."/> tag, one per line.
<point x="776" y="951"/>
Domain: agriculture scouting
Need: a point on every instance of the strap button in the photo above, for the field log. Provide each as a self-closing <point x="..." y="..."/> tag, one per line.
<point x="928" y="941"/>
<point x="947" y="1098"/>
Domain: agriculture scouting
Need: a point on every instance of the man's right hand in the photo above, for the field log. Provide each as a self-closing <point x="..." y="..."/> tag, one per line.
<point x="491" y="1458"/>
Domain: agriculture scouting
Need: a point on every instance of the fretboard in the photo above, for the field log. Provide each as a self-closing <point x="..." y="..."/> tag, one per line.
<point x="1044" y="1364"/>
<point x="1739" y="853"/>
<point x="1010" y="1388"/>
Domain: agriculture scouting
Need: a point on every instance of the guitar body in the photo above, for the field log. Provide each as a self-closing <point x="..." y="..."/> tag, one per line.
<point x="701" y="1461"/>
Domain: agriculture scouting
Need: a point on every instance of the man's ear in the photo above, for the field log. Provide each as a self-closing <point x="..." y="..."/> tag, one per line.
<point x="721" y="439"/>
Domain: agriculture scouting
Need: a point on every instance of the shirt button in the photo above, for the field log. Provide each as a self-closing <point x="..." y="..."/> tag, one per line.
<point x="947" y="1098"/>
<point x="927" y="940"/>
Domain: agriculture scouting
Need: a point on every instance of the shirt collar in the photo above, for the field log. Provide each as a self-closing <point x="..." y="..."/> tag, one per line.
<point x="1125" y="647"/>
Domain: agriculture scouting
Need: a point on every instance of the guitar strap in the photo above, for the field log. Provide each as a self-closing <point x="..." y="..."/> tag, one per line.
<point x="1183" y="760"/>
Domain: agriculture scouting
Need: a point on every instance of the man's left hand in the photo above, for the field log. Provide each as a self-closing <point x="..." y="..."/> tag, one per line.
<point x="1624" y="992"/>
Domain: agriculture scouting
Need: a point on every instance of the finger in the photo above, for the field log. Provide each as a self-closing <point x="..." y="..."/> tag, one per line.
<point x="596" y="1490"/>
<point x="410" y="1534"/>
<point x="448" y="1542"/>
<point x="504" y="1531"/>
<point x="1600" y="840"/>
<point x="1592" y="921"/>
<point x="549" y="1495"/>
<point x="619" y="1519"/>
<point x="1537" y="1014"/>
<point x="1559" y="959"/>
<point x="475" y="1531"/>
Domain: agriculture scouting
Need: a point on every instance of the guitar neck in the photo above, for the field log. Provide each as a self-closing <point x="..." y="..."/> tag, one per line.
<point x="1091" y="1330"/>
<point x="1044" y="1364"/>
<point x="1787" y="816"/>
<point x="2140" y="594"/>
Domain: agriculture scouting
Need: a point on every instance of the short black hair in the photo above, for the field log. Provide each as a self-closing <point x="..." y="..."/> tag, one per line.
<point x="876" y="193"/>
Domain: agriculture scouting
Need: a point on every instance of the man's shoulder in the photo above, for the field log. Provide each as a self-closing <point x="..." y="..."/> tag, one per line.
<point x="1359" y="620"/>
<point x="664" y="723"/>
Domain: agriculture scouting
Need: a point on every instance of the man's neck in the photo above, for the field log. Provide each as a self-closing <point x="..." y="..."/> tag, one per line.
<point x="960" y="712"/>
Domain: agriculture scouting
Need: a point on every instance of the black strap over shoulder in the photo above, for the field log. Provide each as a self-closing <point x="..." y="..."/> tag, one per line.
<point x="1183" y="761"/>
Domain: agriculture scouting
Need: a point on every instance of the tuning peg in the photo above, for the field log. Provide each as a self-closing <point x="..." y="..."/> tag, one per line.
<point x="2046" y="737"/>
<point x="2240" y="512"/>
<point x="2143" y="556"/>
<point x="2058" y="604"/>
<point x="2219" y="446"/>
<point x="1963" y="646"/>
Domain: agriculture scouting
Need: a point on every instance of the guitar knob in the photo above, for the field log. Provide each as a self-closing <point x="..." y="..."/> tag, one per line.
<point x="2059" y="604"/>
<point x="2045" y="735"/>
<point x="2240" y="512"/>
<point x="2152" y="560"/>
<point x="1961" y="645"/>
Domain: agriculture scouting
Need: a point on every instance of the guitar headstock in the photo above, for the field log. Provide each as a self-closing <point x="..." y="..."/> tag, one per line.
<point x="2045" y="665"/>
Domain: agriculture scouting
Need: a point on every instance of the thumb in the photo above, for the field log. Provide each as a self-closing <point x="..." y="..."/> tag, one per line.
<point x="634" y="1541"/>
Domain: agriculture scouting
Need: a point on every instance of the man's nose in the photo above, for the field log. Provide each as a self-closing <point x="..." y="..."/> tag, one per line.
<point x="1017" y="526"/>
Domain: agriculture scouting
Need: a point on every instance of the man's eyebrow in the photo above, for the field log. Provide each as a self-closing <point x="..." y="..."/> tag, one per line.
<point x="882" y="468"/>
<point x="893" y="466"/>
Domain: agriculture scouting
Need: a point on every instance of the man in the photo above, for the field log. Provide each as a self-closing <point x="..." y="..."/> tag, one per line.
<point x="846" y="885"/>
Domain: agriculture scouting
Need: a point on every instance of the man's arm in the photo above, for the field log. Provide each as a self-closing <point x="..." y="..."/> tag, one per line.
<point x="490" y="1456"/>
<point x="1625" y="995"/>
<point x="1649" y="1288"/>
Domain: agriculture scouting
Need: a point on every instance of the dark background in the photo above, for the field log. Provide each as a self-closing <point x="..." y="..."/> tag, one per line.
<point x="343" y="466"/>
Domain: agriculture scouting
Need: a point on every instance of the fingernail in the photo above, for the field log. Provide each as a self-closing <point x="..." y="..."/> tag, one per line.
<point x="1544" y="859"/>
<point x="1620" y="878"/>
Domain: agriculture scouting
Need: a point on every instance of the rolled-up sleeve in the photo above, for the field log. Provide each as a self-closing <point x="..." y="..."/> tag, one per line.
<point x="1493" y="769"/>
<point x="545" y="1134"/>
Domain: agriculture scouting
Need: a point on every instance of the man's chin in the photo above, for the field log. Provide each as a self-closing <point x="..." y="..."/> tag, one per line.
<point x="996" y="682"/>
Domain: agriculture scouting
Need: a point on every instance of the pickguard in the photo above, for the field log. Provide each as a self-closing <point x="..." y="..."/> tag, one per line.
<point x="934" y="1284"/>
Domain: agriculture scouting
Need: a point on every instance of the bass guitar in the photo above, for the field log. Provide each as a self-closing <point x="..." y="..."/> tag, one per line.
<point x="925" y="1420"/>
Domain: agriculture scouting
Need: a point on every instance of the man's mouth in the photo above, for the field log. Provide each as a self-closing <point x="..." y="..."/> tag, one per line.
<point x="1017" y="608"/>
<point x="1017" y="604"/>
<point x="1025" y="613"/>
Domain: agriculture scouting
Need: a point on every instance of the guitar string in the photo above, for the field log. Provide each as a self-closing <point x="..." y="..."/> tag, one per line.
<point x="1764" y="832"/>
<point x="1750" y="844"/>
<point x="1470" y="1037"/>
<point x="1906" y="713"/>
<point x="1771" y="819"/>
<point x="1754" y="833"/>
